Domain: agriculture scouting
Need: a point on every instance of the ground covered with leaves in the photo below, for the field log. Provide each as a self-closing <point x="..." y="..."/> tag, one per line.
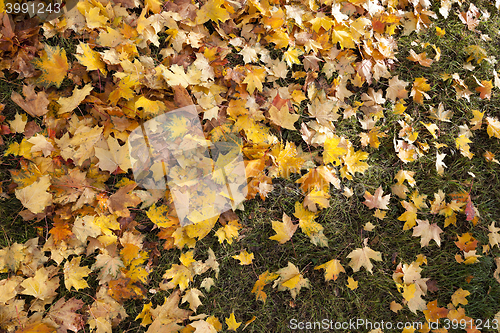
<point x="369" y="131"/>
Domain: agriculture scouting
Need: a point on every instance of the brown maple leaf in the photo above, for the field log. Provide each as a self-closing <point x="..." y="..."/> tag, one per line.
<point x="35" y="104"/>
<point x="118" y="202"/>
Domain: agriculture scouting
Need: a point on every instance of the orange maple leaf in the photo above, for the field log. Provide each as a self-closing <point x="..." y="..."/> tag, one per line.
<point x="54" y="65"/>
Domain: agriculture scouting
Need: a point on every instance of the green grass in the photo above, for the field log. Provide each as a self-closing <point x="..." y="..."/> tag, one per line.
<point x="344" y="219"/>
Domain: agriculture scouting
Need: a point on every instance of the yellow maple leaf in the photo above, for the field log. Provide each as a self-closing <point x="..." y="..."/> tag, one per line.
<point x="244" y="257"/>
<point x="166" y="316"/>
<point x="114" y="157"/>
<point x="180" y="275"/>
<point x="353" y="161"/>
<point x="409" y="216"/>
<point x="255" y="76"/>
<point x="317" y="197"/>
<point x="160" y="216"/>
<point x="440" y="32"/>
<point x="351" y="283"/>
<point x="306" y="220"/>
<point x="377" y="200"/>
<point x="145" y="315"/>
<point x="40" y="286"/>
<point x="90" y="58"/>
<point x="231" y="322"/>
<point x="409" y="291"/>
<point x="95" y="19"/>
<point x="192" y="296"/>
<point x="287" y="160"/>
<point x="74" y="274"/>
<point x="291" y="279"/>
<point x="175" y="75"/>
<point x="283" y="117"/>
<point x="361" y="257"/>
<point x="228" y="232"/>
<point x="458" y="297"/>
<point x="403" y="175"/>
<point x="107" y="223"/>
<point x="418" y="91"/>
<point x="321" y="22"/>
<point x="19" y="123"/>
<point x="477" y="121"/>
<point x="35" y="196"/>
<point x="332" y="269"/>
<point x="493" y="128"/>
<point x="342" y="35"/>
<point x="187" y="258"/>
<point x="334" y="150"/>
<point x="291" y="56"/>
<point x="54" y="66"/>
<point x="154" y="5"/>
<point x="124" y="89"/>
<point x="258" y="287"/>
<point x="284" y="230"/>
<point x="212" y="10"/>
<point x="278" y="37"/>
<point x="68" y="104"/>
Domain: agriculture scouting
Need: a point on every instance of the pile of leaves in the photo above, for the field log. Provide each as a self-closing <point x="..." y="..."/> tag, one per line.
<point x="258" y="72"/>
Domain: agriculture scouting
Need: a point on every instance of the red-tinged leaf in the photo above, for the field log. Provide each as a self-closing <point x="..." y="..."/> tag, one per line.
<point x="470" y="212"/>
<point x="63" y="313"/>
